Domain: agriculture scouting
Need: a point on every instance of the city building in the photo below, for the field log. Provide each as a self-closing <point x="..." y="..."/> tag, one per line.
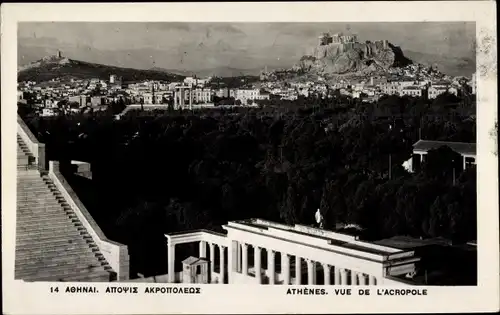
<point x="413" y="91"/>
<point x="202" y="95"/>
<point x="148" y="98"/>
<point x="422" y="147"/>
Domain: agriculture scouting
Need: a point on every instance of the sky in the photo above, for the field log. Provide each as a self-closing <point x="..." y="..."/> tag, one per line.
<point x="201" y="46"/>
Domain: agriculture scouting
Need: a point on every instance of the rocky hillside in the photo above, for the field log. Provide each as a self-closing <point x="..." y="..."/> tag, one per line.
<point x="55" y="67"/>
<point x="338" y="58"/>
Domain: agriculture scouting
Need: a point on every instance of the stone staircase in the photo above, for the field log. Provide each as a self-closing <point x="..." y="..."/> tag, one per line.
<point x="51" y="242"/>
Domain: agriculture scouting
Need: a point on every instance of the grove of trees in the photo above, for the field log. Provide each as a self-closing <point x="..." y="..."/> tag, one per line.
<point x="156" y="172"/>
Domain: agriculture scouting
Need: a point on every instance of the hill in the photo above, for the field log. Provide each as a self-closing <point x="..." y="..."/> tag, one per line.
<point x="52" y="67"/>
<point x="341" y="54"/>
<point x="218" y="72"/>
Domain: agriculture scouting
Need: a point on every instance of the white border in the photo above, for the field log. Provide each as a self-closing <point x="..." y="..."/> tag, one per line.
<point x="35" y="298"/>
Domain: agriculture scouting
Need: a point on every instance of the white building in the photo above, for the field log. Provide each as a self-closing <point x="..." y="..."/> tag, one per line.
<point x="413" y="91"/>
<point x="202" y="95"/>
<point x="246" y="94"/>
<point x="435" y="90"/>
<point x="296" y="254"/>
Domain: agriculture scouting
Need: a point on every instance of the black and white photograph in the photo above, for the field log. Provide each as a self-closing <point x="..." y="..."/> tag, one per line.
<point x="314" y="155"/>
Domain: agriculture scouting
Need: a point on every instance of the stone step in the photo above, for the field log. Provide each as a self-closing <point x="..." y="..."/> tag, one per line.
<point x="43" y="210"/>
<point x="47" y="229"/>
<point x="33" y="184"/>
<point x="82" y="260"/>
<point x="24" y="201"/>
<point x="23" y="239"/>
<point x="47" y="218"/>
<point x="30" y="212"/>
<point x="88" y="276"/>
<point x="46" y="215"/>
<point x="29" y="204"/>
<point x="33" y="209"/>
<point x="36" y="197"/>
<point x="28" y="177"/>
<point x="67" y="251"/>
<point x="54" y="244"/>
<point x="59" y="225"/>
<point x="42" y="269"/>
<point x="27" y="213"/>
<point x="49" y="249"/>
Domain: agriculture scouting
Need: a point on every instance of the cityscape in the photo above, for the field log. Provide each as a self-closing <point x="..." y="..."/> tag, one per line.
<point x="329" y="154"/>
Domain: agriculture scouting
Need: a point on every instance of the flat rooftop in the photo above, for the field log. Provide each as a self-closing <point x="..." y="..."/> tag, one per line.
<point x="459" y="147"/>
<point x="344" y="240"/>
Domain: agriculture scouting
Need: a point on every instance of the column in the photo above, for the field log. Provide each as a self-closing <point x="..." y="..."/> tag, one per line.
<point x="222" y="264"/>
<point x="310" y="271"/>
<point x="285" y="268"/>
<point x="463" y="159"/>
<point x="337" y="276"/>
<point x="256" y="267"/>
<point x="238" y="257"/>
<point x="354" y="277"/>
<point x="203" y="249"/>
<point x="190" y="98"/>
<point x="314" y="272"/>
<point x="372" y="280"/>
<point x="362" y="279"/>
<point x="212" y="260"/>
<point x="326" y="273"/>
<point x="343" y="276"/>
<point x="244" y="259"/>
<point x="421" y="158"/>
<point x="171" y="263"/>
<point x="175" y="98"/>
<point x="271" y="265"/>
<point x="298" y="270"/>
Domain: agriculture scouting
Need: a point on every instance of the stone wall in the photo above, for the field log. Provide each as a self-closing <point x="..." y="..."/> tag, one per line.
<point x="36" y="148"/>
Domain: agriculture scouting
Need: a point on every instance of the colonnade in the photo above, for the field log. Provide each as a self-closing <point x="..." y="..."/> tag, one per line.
<point x="341" y="276"/>
<point x="238" y="263"/>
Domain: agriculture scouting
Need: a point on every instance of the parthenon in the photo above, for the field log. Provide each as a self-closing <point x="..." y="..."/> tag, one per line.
<point x="294" y="255"/>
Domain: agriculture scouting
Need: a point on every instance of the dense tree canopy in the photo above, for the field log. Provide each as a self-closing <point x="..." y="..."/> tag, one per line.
<point x="157" y="172"/>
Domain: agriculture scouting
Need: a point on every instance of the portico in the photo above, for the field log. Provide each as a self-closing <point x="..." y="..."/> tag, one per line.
<point x="304" y="253"/>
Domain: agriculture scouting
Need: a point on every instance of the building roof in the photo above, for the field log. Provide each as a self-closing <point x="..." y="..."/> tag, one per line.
<point x="459" y="147"/>
<point x="193" y="261"/>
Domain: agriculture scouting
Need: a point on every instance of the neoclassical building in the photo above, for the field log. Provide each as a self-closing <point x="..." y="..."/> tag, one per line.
<point x="256" y="251"/>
